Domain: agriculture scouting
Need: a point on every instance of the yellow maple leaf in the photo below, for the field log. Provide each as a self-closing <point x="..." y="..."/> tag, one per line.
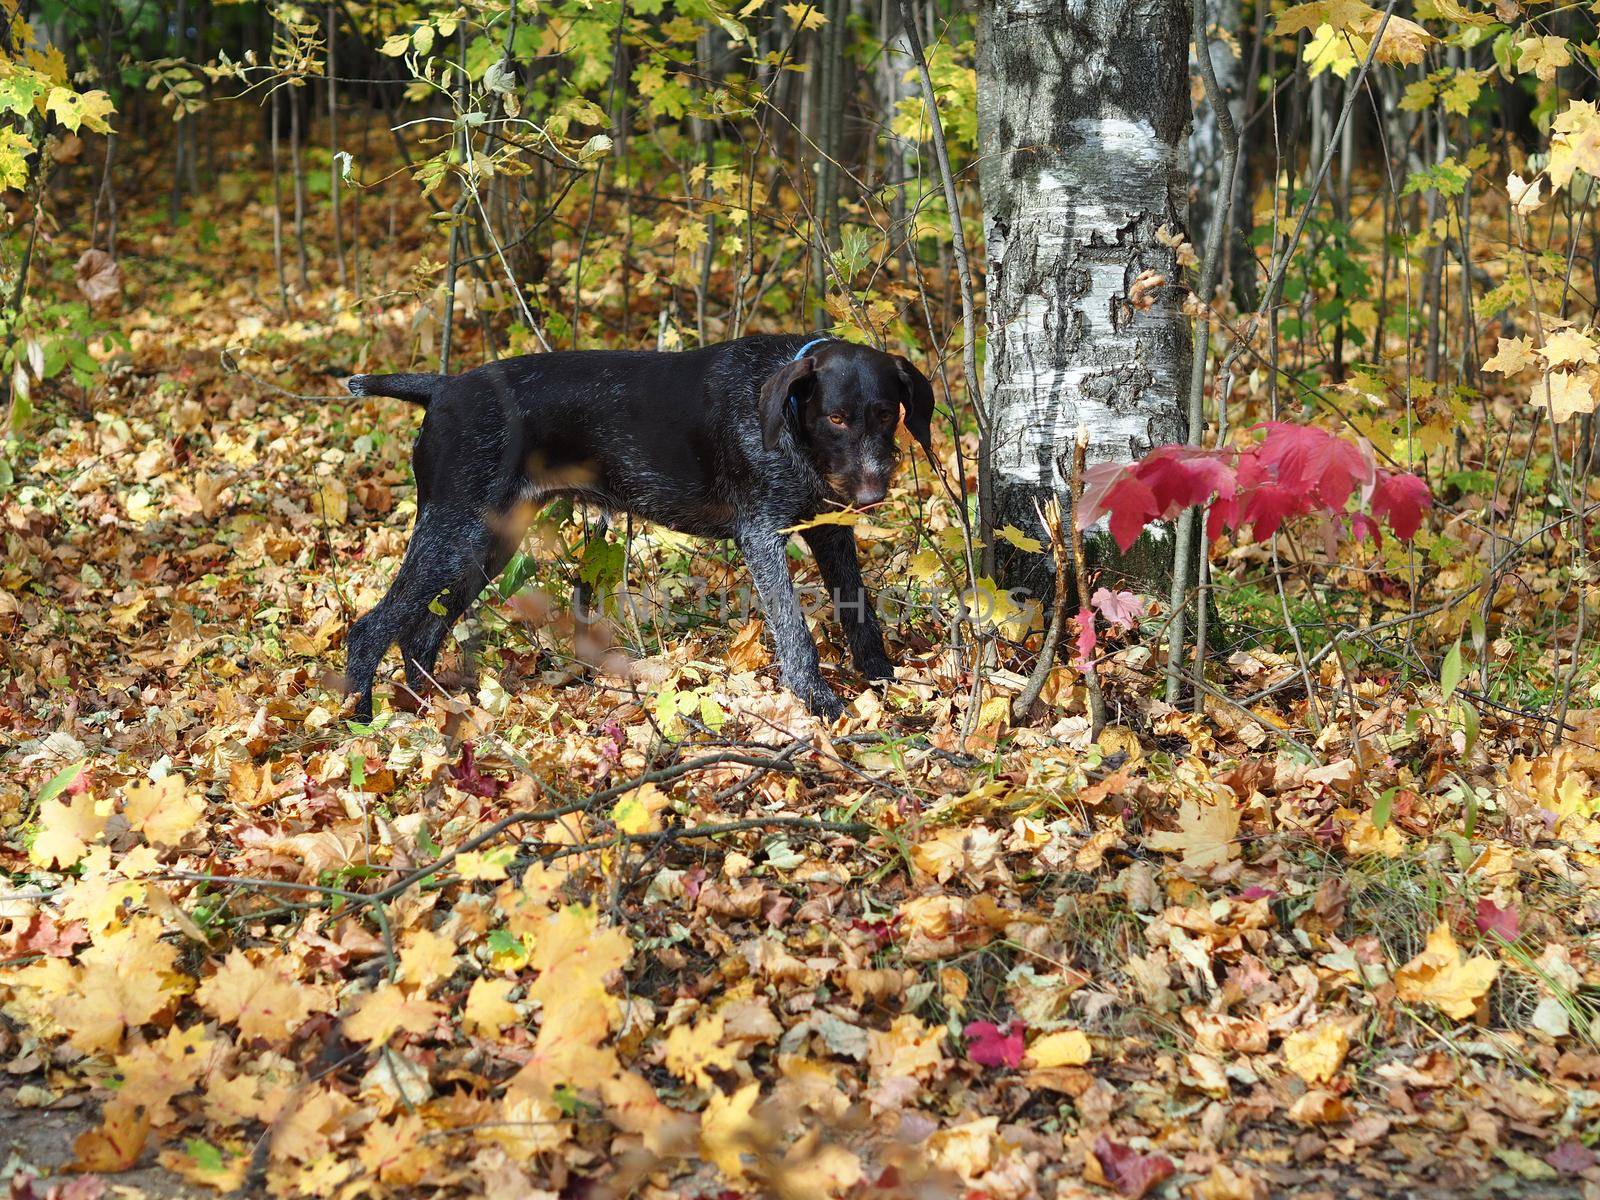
<point x="726" y="1127"/>
<point x="1206" y="832"/>
<point x="1543" y="56"/>
<point x="127" y="977"/>
<point x="115" y="1144"/>
<point x="1445" y="978"/>
<point x="967" y="1148"/>
<point x="262" y="1000"/>
<point x="1450" y="10"/>
<point x="1574" y="143"/>
<point x="632" y="1105"/>
<point x="66" y="829"/>
<point x="566" y="1053"/>
<point x="389" y="1010"/>
<point x="573" y="955"/>
<point x="1568" y="393"/>
<point x="1512" y="355"/>
<point x="75" y="109"/>
<point x="1316" y="1054"/>
<point x="1023" y="542"/>
<point x="484" y="864"/>
<point x="1566" y="347"/>
<point x="636" y="811"/>
<point x="155" y="1073"/>
<point x="806" y="16"/>
<point x="1065" y="1048"/>
<point x="396" y="1152"/>
<point x="427" y="958"/>
<point x="488" y="1010"/>
<point x="1342" y="15"/>
<point x="1405" y="43"/>
<point x="1330" y="50"/>
<point x="907" y="1048"/>
<point x="97" y="899"/>
<point x="303" y="1132"/>
<point x="162" y="811"/>
<point x="691" y="1051"/>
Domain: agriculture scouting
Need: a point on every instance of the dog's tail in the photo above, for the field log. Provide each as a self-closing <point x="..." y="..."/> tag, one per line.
<point x="418" y="389"/>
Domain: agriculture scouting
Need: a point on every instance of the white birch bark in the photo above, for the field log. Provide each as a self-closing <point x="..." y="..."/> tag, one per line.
<point x="1083" y="106"/>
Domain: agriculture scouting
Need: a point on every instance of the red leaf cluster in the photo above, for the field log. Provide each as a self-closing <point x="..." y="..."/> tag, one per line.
<point x="991" y="1045"/>
<point x="1294" y="471"/>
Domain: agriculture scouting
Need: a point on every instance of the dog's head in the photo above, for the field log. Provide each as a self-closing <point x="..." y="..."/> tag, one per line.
<point x="843" y="402"/>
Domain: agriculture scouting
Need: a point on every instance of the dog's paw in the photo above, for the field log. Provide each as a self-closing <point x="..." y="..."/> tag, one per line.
<point x="876" y="666"/>
<point x="821" y="699"/>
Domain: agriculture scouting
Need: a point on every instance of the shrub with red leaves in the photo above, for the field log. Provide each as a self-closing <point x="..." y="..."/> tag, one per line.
<point x="1294" y="471"/>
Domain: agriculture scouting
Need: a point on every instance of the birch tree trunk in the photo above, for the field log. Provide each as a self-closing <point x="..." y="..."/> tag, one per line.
<point x="1083" y="106"/>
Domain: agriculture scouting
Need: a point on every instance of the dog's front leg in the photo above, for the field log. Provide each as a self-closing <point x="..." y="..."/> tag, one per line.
<point x="763" y="550"/>
<point x="835" y="550"/>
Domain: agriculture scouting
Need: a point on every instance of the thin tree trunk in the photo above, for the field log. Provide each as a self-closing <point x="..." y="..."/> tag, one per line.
<point x="333" y="147"/>
<point x="1082" y="111"/>
<point x="1206" y="150"/>
<point x="299" y="191"/>
<point x="277" y="206"/>
<point x="179" y="142"/>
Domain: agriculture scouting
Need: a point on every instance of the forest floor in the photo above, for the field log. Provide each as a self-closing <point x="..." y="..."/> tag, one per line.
<point x="1217" y="956"/>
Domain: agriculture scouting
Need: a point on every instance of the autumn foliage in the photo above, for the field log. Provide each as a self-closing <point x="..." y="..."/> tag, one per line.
<point x="631" y="923"/>
<point x="1294" y="471"/>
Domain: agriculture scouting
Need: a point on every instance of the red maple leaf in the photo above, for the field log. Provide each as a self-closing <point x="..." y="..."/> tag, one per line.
<point x="466" y="776"/>
<point x="1313" y="462"/>
<point x="990" y="1045"/>
<point x="1503" y="921"/>
<point x="1131" y="1173"/>
<point x="1267" y="506"/>
<point x="1400" y="499"/>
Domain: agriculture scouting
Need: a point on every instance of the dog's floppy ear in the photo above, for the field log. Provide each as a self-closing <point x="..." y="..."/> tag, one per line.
<point x="918" y="402"/>
<point x="775" y="393"/>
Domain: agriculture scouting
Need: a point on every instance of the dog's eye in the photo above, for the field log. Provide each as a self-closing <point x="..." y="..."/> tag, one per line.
<point x="839" y="419"/>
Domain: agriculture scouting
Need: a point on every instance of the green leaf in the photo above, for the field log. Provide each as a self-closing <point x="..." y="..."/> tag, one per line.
<point x="204" y="1155"/>
<point x="1450" y="672"/>
<point x="1381" y="808"/>
<point x="20" y="92"/>
<point x="61" y="781"/>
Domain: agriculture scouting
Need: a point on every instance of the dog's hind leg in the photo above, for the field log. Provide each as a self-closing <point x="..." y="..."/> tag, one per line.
<point x="448" y="546"/>
<point x="414" y="588"/>
<point x="476" y="563"/>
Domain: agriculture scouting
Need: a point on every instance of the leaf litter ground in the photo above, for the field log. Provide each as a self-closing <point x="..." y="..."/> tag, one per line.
<point x="648" y="929"/>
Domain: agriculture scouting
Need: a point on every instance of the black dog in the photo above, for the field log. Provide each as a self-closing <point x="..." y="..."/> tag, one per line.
<point x="742" y="440"/>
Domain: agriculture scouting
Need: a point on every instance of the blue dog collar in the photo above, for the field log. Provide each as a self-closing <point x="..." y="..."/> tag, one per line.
<point x="808" y="347"/>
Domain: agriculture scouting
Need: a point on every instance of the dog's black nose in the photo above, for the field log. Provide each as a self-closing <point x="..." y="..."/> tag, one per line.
<point x="868" y="494"/>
